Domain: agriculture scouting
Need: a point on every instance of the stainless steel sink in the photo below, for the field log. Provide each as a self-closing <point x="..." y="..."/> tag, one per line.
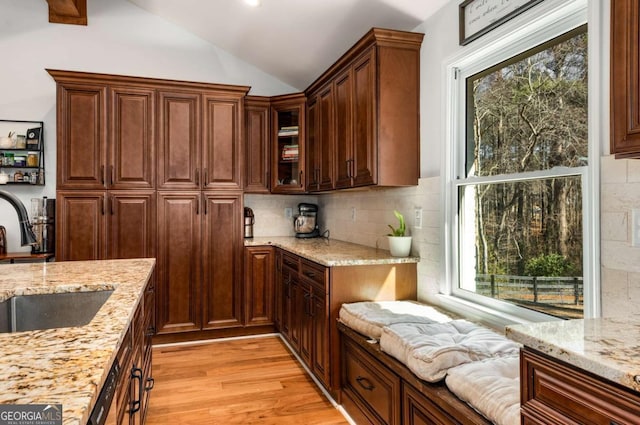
<point x="48" y="311"/>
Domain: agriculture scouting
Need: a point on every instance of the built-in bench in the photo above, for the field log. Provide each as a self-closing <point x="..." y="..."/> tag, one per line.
<point x="397" y="355"/>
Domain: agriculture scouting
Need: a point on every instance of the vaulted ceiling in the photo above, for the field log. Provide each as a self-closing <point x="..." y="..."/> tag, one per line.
<point x="293" y="40"/>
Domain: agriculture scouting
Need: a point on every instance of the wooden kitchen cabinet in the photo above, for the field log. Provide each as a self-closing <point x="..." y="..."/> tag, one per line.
<point x="98" y="225"/>
<point x="81" y="141"/>
<point x="179" y="140"/>
<point x="376" y="112"/>
<point x="259" y="301"/>
<point x="131" y="224"/>
<point x="310" y="298"/>
<point x="257" y="133"/>
<point x="106" y="132"/>
<point x="625" y="75"/>
<point x="552" y="391"/>
<point x="288" y="143"/>
<point x="200" y="265"/>
<point x="179" y="265"/>
<point x="222" y="256"/>
<point x="320" y="140"/>
<point x="81" y="225"/>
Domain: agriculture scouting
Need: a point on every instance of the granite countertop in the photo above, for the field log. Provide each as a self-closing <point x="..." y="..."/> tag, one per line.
<point x="68" y="366"/>
<point x="606" y="347"/>
<point x="331" y="252"/>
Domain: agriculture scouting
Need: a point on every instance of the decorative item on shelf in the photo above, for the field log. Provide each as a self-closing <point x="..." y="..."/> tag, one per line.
<point x="3" y="240"/>
<point x="32" y="159"/>
<point x="399" y="244"/>
<point x="17" y="176"/>
<point x="33" y="138"/>
<point x="21" y="142"/>
<point x="20" y="161"/>
<point x="7" y="142"/>
<point x="4" y="177"/>
<point x="290" y="153"/>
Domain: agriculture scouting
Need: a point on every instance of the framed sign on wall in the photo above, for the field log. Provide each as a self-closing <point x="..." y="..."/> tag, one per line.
<point x="478" y="17"/>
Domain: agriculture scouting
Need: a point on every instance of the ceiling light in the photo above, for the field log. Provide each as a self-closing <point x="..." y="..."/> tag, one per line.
<point x="253" y="3"/>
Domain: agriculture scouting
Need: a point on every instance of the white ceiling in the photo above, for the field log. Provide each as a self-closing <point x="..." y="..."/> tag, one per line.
<point x="293" y="40"/>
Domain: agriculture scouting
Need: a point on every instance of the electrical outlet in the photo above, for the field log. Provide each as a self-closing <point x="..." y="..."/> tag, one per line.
<point x="417" y="220"/>
<point x="288" y="212"/>
<point x="353" y="213"/>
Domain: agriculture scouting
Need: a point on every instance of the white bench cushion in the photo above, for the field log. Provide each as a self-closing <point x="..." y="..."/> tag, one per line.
<point x="491" y="386"/>
<point x="429" y="350"/>
<point x="369" y="317"/>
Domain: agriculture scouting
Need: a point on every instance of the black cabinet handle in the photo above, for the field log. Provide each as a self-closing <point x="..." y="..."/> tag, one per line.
<point x="365" y="383"/>
<point x="102" y="174"/>
<point x="206" y="177"/>
<point x="310" y="274"/>
<point x="300" y="180"/>
<point x="104" y="200"/>
<point x="136" y="373"/>
<point x="197" y="177"/>
<point x="111" y="202"/>
<point x="111" y="176"/>
<point x="150" y="384"/>
<point x="151" y="331"/>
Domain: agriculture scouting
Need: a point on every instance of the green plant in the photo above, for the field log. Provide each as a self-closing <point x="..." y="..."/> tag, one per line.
<point x="401" y="229"/>
<point x="549" y="265"/>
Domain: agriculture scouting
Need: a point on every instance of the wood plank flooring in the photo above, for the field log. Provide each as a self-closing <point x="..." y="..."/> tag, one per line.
<point x="243" y="381"/>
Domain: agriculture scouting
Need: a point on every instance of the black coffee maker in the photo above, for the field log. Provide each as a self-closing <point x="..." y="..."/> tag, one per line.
<point x="43" y="223"/>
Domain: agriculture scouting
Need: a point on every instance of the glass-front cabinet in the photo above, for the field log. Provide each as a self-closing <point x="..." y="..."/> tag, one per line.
<point x="21" y="152"/>
<point x="288" y="127"/>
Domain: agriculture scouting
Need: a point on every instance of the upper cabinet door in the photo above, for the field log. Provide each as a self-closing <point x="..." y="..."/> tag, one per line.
<point x="179" y="140"/>
<point x="132" y="138"/>
<point x="313" y="140"/>
<point x="344" y="129"/>
<point x="363" y="166"/>
<point x="257" y="147"/>
<point x="82" y="131"/>
<point x="222" y="148"/>
<point x="625" y="79"/>
<point x="326" y="147"/>
<point x="288" y="143"/>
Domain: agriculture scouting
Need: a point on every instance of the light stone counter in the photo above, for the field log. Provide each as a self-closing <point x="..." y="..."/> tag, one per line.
<point x="68" y="365"/>
<point x="331" y="252"/>
<point x="607" y="347"/>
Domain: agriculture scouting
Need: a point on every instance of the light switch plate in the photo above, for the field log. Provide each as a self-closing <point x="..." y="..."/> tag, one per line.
<point x="417" y="220"/>
<point x="288" y="212"/>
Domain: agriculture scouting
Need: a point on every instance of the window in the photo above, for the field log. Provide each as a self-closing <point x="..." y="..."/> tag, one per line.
<point x="519" y="177"/>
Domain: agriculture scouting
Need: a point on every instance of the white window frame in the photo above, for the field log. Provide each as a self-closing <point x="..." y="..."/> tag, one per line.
<point x="542" y="23"/>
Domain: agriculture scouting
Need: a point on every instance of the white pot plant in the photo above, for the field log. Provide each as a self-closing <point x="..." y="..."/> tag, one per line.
<point x="399" y="244"/>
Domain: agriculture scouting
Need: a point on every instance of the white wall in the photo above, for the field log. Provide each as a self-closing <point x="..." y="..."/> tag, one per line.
<point x="120" y="39"/>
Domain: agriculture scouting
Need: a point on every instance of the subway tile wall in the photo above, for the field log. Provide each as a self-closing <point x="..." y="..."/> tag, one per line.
<point x="620" y="261"/>
<point x="269" y="213"/>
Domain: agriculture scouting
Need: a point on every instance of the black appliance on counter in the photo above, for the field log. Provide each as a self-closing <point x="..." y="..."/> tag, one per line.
<point x="305" y="223"/>
<point x="43" y="224"/>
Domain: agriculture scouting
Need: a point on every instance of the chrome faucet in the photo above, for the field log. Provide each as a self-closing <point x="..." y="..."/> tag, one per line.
<point x="26" y="233"/>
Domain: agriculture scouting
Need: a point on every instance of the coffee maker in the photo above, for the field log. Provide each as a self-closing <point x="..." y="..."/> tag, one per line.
<point x="249" y="220"/>
<point x="43" y="223"/>
<point x="305" y="222"/>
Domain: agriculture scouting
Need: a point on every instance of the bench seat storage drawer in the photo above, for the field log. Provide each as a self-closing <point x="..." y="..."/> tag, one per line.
<point x="374" y="389"/>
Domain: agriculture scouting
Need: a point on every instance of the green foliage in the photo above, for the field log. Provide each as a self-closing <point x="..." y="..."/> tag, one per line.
<point x="401" y="229"/>
<point x="549" y="265"/>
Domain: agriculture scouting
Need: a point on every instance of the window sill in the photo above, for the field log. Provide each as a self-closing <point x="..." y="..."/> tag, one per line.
<point x="487" y="316"/>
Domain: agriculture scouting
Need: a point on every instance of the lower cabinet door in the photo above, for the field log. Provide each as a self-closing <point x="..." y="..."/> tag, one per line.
<point x="178" y="300"/>
<point x="222" y="254"/>
<point x="81" y="225"/>
<point x="419" y="410"/>
<point x="320" y="334"/>
<point x="373" y="389"/>
<point x="258" y="286"/>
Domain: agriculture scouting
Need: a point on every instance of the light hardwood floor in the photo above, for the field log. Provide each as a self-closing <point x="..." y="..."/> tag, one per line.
<point x="243" y="381"/>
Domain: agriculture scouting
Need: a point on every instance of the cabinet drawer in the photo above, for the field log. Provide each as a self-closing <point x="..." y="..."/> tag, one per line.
<point x="419" y="409"/>
<point x="314" y="272"/>
<point x="374" y="389"/>
<point x="291" y="261"/>
<point x="557" y="393"/>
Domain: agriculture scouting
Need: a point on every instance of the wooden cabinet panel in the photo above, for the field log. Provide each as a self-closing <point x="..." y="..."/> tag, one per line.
<point x="364" y="155"/>
<point x="420" y="410"/>
<point x="320" y="364"/>
<point x="257" y="146"/>
<point x="313" y="140"/>
<point x="553" y="392"/>
<point x="296" y="311"/>
<point x="81" y="225"/>
<point x="179" y="140"/>
<point x="132" y="138"/>
<point x="179" y="265"/>
<point x="371" y="387"/>
<point x="344" y="129"/>
<point x="259" y="286"/>
<point x="306" y="323"/>
<point x="320" y="147"/>
<point x="222" y="149"/>
<point x="222" y="260"/>
<point x="132" y="224"/>
<point x="625" y="79"/>
<point x="82" y="132"/>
